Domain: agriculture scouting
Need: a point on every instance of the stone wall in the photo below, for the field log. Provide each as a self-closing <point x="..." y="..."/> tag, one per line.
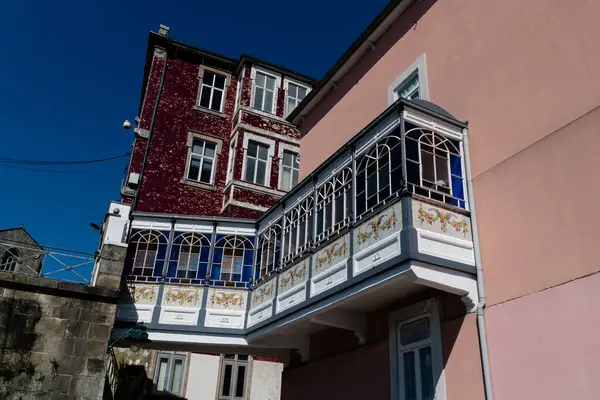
<point x="53" y="338"/>
<point x="20" y="244"/>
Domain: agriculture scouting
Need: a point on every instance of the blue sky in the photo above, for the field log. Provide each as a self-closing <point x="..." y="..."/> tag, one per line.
<point x="71" y="73"/>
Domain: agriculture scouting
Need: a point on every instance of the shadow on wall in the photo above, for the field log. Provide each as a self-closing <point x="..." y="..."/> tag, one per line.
<point x="408" y="21"/>
<point x="134" y="384"/>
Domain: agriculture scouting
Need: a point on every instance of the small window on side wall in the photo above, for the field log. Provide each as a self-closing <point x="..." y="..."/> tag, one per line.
<point x="411" y="84"/>
<point x="295" y="94"/>
<point x="290" y="169"/>
<point x="212" y="91"/>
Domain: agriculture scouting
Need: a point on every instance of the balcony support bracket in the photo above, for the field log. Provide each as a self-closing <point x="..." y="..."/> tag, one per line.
<point x="349" y="320"/>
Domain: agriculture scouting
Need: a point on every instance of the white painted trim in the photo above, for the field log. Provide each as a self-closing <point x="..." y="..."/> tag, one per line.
<point x="286" y="82"/>
<point x="245" y="205"/>
<point x="453" y="249"/>
<point x="424" y="121"/>
<point x="271" y="154"/>
<point x="258" y="188"/>
<point x="420" y="67"/>
<point x="275" y="75"/>
<point x="427" y="308"/>
<point x="283" y="147"/>
<point x="448" y="280"/>
<point x="149" y="224"/>
<point x="264" y="132"/>
<point x="195" y="338"/>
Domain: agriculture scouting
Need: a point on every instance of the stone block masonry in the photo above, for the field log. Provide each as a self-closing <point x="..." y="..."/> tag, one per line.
<point x="53" y="338"/>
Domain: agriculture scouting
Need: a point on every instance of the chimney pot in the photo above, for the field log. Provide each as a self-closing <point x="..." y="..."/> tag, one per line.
<point x="163" y="30"/>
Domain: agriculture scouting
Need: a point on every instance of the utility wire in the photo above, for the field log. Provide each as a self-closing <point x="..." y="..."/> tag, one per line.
<point x="7" y="160"/>
<point x="40" y="169"/>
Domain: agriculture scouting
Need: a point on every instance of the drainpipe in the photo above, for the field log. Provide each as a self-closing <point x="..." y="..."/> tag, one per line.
<point x="483" y="347"/>
<point x="137" y="193"/>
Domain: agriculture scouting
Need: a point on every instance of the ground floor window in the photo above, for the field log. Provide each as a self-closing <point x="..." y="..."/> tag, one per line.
<point x="416" y="359"/>
<point x="169" y="373"/>
<point x="234" y="376"/>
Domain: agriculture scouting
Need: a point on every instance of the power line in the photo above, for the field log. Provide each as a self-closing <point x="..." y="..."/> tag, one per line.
<point x="7" y="160"/>
<point x="40" y="169"/>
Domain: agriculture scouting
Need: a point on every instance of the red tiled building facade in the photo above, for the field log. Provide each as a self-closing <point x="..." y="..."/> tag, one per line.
<point x="212" y="138"/>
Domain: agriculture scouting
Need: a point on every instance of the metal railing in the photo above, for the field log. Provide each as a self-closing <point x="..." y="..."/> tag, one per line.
<point x="46" y="262"/>
<point x="112" y="372"/>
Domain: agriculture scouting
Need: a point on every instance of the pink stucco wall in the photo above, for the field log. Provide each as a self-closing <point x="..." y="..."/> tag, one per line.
<point x="462" y="360"/>
<point x="537" y="213"/>
<point x="546" y="345"/>
<point x="517" y="70"/>
<point x="360" y="374"/>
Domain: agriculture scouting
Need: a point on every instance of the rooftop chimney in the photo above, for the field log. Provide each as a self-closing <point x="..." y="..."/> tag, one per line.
<point x="163" y="30"/>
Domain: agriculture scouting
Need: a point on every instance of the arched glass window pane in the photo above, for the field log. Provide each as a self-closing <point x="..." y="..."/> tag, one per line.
<point x="434" y="166"/>
<point x="232" y="260"/>
<point x="269" y="251"/>
<point x="333" y="204"/>
<point x="146" y="254"/>
<point x="189" y="257"/>
<point x="379" y="174"/>
<point x="10" y="260"/>
<point x="298" y="230"/>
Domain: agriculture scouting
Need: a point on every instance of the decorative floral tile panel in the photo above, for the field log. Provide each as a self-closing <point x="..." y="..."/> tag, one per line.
<point x="436" y="219"/>
<point x="294" y="276"/>
<point x="379" y="227"/>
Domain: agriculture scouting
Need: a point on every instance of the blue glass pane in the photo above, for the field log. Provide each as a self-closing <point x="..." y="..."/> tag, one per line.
<point x="236" y="277"/>
<point x="247" y="273"/>
<point x="201" y="270"/>
<point x="204" y="254"/>
<point x="257" y="273"/>
<point x="172" y="269"/>
<point x="216" y="272"/>
<point x="217" y="255"/>
<point x="248" y="254"/>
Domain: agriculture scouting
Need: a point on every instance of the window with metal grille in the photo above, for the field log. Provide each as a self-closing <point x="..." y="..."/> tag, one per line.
<point x="434" y="166"/>
<point x="189" y="256"/>
<point x="212" y="91"/>
<point x="379" y="175"/>
<point x="333" y="204"/>
<point x="147" y="252"/>
<point x="10" y="260"/>
<point x="232" y="261"/>
<point x="298" y="230"/>
<point x="269" y="251"/>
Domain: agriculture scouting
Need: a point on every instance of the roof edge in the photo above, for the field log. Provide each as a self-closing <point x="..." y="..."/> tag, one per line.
<point x="392" y="11"/>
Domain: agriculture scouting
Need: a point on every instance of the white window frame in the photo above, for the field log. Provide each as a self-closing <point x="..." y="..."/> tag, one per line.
<point x="231" y="162"/>
<point x="270" y="154"/>
<point x="171" y="356"/>
<point x="277" y="77"/>
<point x="227" y="76"/>
<point x="235" y="363"/>
<point x="418" y="67"/>
<point x="238" y="90"/>
<point x="286" y="147"/>
<point x="286" y="83"/>
<point x="190" y="143"/>
<point x="327" y="195"/>
<point x="428" y="308"/>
